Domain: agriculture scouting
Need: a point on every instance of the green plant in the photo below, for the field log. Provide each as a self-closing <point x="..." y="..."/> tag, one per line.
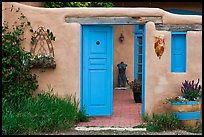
<point x="145" y="118"/>
<point x="42" y="114"/>
<point x="17" y="79"/>
<point x="197" y="129"/>
<point x="43" y="62"/>
<point x="190" y="92"/>
<point x="77" y="4"/>
<point x="82" y="117"/>
<point x="161" y="122"/>
<point x="136" y="86"/>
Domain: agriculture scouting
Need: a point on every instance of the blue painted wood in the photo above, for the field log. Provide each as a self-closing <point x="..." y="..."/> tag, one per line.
<point x="97" y="90"/>
<point x="178" y="32"/>
<point x="185" y="103"/>
<point x="187" y="115"/>
<point x="140" y="32"/>
<point x="178" y="52"/>
<point x="81" y="69"/>
<point x="143" y="69"/>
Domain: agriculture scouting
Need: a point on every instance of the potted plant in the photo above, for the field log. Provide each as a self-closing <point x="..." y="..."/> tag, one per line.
<point x="136" y="87"/>
<point x="43" y="62"/>
<point x="187" y="106"/>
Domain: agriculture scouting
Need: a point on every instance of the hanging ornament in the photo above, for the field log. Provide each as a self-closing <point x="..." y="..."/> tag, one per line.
<point x="159" y="45"/>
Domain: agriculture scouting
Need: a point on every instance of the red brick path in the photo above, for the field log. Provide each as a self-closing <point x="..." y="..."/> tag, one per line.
<point x="126" y="113"/>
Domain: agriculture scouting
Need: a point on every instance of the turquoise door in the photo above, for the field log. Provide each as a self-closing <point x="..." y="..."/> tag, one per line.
<point x="97" y="70"/>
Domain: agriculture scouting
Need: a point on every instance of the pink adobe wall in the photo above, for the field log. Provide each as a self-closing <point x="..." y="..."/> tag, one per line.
<point x="65" y="79"/>
<point x="124" y="51"/>
<point x="160" y="81"/>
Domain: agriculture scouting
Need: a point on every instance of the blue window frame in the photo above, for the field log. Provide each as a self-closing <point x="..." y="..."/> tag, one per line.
<point x="178" y="52"/>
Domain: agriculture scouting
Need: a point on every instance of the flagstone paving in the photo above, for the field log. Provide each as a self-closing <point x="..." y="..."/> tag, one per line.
<point x="126" y="113"/>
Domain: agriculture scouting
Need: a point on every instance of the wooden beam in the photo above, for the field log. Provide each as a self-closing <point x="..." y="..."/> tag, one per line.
<point x="194" y="27"/>
<point x="114" y="20"/>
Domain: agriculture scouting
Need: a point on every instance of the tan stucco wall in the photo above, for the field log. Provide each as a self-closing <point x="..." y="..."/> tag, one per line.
<point x="35" y="4"/>
<point x="124" y="51"/>
<point x="159" y="81"/>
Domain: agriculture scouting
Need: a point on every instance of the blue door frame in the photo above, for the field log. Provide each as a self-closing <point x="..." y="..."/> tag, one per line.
<point x="143" y="65"/>
<point x="140" y="31"/>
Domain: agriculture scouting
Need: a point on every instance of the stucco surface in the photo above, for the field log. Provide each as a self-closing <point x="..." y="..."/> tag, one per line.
<point x="159" y="81"/>
<point x="124" y="51"/>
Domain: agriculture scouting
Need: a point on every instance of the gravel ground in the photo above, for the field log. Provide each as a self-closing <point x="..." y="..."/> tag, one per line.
<point x="110" y="132"/>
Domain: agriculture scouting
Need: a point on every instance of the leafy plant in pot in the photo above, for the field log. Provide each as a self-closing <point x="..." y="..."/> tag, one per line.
<point x="187" y="106"/>
<point x="136" y="87"/>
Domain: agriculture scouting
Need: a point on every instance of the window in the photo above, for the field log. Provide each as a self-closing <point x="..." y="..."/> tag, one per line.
<point x="178" y="52"/>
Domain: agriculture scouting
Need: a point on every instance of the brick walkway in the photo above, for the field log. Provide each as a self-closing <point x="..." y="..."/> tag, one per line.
<point x="126" y="113"/>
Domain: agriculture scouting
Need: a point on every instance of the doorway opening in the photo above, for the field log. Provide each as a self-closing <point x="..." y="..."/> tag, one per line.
<point x="130" y="51"/>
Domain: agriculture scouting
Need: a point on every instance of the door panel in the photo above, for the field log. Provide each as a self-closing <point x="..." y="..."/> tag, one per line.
<point x="97" y="89"/>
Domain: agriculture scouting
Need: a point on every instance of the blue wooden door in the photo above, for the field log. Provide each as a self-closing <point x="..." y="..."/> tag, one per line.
<point x="97" y="85"/>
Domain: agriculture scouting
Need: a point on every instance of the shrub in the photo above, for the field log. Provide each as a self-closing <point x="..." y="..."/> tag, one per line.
<point x="77" y="4"/>
<point x="161" y="122"/>
<point x="136" y="86"/>
<point x="45" y="113"/>
<point x="17" y="79"/>
<point x="190" y="90"/>
<point x="82" y="117"/>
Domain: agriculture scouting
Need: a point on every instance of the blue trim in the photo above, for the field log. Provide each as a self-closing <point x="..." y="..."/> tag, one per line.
<point x="178" y="32"/>
<point x="138" y="33"/>
<point x="187" y="115"/>
<point x="81" y="67"/>
<point x="143" y="69"/>
<point x="184" y="12"/>
<point x="185" y="103"/>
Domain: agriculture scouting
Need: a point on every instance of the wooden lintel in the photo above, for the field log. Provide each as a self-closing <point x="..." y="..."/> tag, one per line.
<point x="194" y="27"/>
<point x="114" y="20"/>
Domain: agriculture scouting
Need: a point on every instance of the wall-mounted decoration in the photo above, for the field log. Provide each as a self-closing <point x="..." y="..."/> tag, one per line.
<point x="159" y="45"/>
<point x="42" y="49"/>
<point x="121" y="38"/>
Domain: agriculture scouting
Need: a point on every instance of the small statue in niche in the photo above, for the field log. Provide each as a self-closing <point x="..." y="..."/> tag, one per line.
<point x="122" y="79"/>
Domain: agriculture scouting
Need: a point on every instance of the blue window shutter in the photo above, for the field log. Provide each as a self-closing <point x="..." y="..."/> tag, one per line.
<point x="178" y="52"/>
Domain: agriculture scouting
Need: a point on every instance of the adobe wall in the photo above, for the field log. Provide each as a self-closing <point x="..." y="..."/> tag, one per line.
<point x="159" y="81"/>
<point x="123" y="51"/>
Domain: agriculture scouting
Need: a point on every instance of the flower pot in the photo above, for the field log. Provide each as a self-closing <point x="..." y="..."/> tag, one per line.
<point x="188" y="113"/>
<point x="137" y="97"/>
<point x="44" y="63"/>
